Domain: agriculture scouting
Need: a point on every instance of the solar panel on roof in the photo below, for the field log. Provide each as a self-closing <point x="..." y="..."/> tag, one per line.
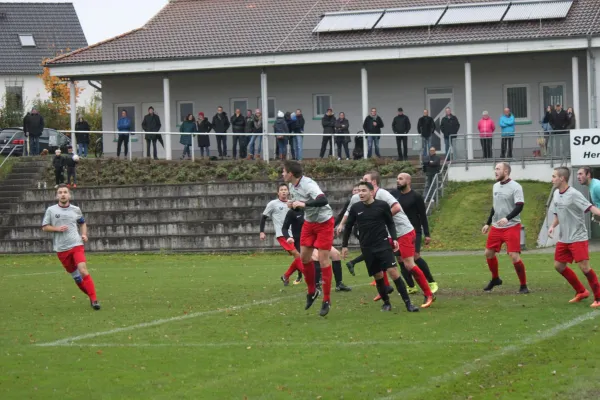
<point x="348" y="21"/>
<point x="474" y="13"/>
<point x="533" y="10"/>
<point x="409" y="17"/>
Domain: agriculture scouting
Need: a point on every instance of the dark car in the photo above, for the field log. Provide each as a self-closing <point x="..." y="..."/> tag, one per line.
<point x="51" y="139"/>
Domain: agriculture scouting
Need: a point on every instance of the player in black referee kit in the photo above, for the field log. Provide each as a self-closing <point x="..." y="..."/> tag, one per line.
<point x="374" y="219"/>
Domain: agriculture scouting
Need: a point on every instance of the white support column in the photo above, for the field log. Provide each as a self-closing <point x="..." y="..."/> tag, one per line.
<point x="576" y="90"/>
<point x="167" y="103"/>
<point x="73" y="106"/>
<point x="264" y="96"/>
<point x="590" y="89"/>
<point x="364" y="86"/>
<point x="469" y="109"/>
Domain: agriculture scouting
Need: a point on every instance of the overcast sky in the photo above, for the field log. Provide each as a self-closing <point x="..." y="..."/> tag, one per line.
<point x="103" y="19"/>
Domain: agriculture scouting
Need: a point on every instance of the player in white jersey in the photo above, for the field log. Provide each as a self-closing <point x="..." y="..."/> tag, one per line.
<point x="505" y="219"/>
<point x="317" y="231"/>
<point x="69" y="232"/>
<point x="405" y="233"/>
<point x="570" y="208"/>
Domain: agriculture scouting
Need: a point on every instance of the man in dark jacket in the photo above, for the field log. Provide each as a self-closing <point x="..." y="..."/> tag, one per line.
<point x="151" y="123"/>
<point x="33" y="126"/>
<point x="58" y="162"/>
<point x="328" y="123"/>
<point x="220" y="124"/>
<point x="238" y="125"/>
<point x="401" y="126"/>
<point x="299" y="128"/>
<point x="248" y="130"/>
<point x="559" y="119"/>
<point x="431" y="167"/>
<point x="372" y="125"/>
<point x="83" y="137"/>
<point x="426" y="127"/>
<point x="449" y="127"/>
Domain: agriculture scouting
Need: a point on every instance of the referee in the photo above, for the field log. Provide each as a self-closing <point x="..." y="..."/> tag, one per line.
<point x="414" y="207"/>
<point x="373" y="217"/>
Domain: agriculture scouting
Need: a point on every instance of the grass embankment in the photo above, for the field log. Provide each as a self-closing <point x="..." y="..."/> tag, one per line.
<point x="7" y="167"/>
<point x="105" y="172"/>
<point x="457" y="224"/>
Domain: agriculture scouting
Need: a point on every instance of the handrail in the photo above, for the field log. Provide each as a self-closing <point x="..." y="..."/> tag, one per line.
<point x="13" y="149"/>
<point x="444" y="173"/>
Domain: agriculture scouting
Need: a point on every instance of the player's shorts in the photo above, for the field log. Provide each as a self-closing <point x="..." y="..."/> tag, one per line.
<point x="286" y="246"/>
<point x="71" y="258"/>
<point x="378" y="261"/>
<point x="511" y="236"/>
<point x="406" y="243"/>
<point x="318" y="234"/>
<point x="568" y="252"/>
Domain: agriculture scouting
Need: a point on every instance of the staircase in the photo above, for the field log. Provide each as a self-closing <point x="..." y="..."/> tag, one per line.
<point x="214" y="217"/>
<point x="24" y="176"/>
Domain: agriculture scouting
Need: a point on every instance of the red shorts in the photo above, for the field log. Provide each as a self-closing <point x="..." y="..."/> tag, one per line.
<point x="511" y="236"/>
<point x="568" y="252"/>
<point x="71" y="258"/>
<point x="286" y="246"/>
<point x="406" y="243"/>
<point x="318" y="234"/>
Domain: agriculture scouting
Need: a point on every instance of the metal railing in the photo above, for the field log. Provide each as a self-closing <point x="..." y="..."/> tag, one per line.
<point x="11" y="151"/>
<point x="437" y="184"/>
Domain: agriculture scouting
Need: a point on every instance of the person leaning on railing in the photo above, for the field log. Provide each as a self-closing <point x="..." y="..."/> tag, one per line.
<point x="124" y="127"/>
<point x="507" y="124"/>
<point x="486" y="129"/>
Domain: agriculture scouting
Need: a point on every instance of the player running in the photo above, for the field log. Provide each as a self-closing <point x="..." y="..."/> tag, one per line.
<point x="569" y="207"/>
<point x="63" y="220"/>
<point x="317" y="231"/>
<point x="414" y="207"/>
<point x="584" y="176"/>
<point x="350" y="264"/>
<point x="374" y="219"/>
<point x="505" y="219"/>
<point x="277" y="210"/>
<point x="404" y="231"/>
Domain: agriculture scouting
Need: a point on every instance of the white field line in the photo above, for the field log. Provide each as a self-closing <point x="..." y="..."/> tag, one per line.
<point x="33" y="273"/>
<point x="489" y="357"/>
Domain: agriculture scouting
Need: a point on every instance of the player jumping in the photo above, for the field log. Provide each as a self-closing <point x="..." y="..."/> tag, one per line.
<point x="63" y="220"/>
<point x="569" y="207"/>
<point x="505" y="219"/>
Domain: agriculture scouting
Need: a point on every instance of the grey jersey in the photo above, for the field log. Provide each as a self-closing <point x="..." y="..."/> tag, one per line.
<point x="70" y="216"/>
<point x="277" y="210"/>
<point x="506" y="196"/>
<point x="306" y="190"/>
<point x="570" y="208"/>
<point x="401" y="222"/>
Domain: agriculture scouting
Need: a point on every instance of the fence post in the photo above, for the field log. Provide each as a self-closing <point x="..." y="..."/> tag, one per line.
<point x="522" y="151"/>
<point x="130" y="145"/>
<point x="192" y="147"/>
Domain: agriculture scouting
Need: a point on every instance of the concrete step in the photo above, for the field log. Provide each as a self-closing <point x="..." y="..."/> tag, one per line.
<point x="187" y="243"/>
<point x="24" y="183"/>
<point x="26" y="170"/>
<point x="21" y="175"/>
<point x="7" y="192"/>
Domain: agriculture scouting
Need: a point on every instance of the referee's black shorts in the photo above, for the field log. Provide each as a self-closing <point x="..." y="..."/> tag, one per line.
<point x="379" y="260"/>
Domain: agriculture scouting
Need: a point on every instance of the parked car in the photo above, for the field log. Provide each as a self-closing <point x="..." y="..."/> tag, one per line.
<point x="51" y="139"/>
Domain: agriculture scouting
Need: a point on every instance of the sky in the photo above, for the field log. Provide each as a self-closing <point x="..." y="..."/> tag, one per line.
<point x="104" y="19"/>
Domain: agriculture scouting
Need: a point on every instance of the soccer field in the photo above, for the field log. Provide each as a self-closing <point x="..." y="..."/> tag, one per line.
<point x="224" y="327"/>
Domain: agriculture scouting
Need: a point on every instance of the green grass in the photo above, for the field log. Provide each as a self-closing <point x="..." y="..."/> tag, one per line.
<point x="7" y="167"/>
<point x="469" y="345"/>
<point x="465" y="207"/>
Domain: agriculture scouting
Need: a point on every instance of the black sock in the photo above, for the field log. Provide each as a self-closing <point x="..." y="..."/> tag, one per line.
<point x="422" y="264"/>
<point x="337" y="271"/>
<point x="358" y="259"/>
<point x="407" y="276"/>
<point x="402" y="290"/>
<point x="299" y="275"/>
<point x="382" y="289"/>
<point x="317" y="271"/>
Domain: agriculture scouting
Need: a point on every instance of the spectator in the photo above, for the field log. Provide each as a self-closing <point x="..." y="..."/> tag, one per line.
<point x="290" y="118"/>
<point x="507" y="124"/>
<point x="238" y="125"/>
<point x="372" y="125"/>
<point x="401" y="126"/>
<point x="33" y="127"/>
<point x="248" y="128"/>
<point x="571" y="118"/>
<point x="486" y="129"/>
<point x="280" y="127"/>
<point x="328" y="123"/>
<point x="431" y="167"/>
<point x="257" y="137"/>
<point x="342" y="135"/>
<point x="58" y="162"/>
<point x="221" y="124"/>
<point x="546" y="126"/>
<point x="124" y="127"/>
<point x="203" y="126"/>
<point x="559" y="120"/>
<point x="83" y="137"/>
<point x="426" y="127"/>
<point x="299" y="128"/>
<point x="189" y="127"/>
<point x="71" y="166"/>
<point x="449" y="127"/>
<point x="151" y="123"/>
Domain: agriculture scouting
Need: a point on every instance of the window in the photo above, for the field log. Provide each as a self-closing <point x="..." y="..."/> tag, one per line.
<point x="321" y="102"/>
<point x="27" y="40"/>
<point x="14" y="97"/>
<point x="552" y="93"/>
<point x="272" y="105"/>
<point x="185" y="108"/>
<point x="242" y="104"/>
<point x="516" y="97"/>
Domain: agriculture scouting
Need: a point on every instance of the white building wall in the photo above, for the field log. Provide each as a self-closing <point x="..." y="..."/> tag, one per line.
<point x="391" y="85"/>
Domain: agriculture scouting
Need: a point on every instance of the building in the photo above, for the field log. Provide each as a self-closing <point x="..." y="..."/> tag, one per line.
<point x="351" y="55"/>
<point x="30" y="33"/>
